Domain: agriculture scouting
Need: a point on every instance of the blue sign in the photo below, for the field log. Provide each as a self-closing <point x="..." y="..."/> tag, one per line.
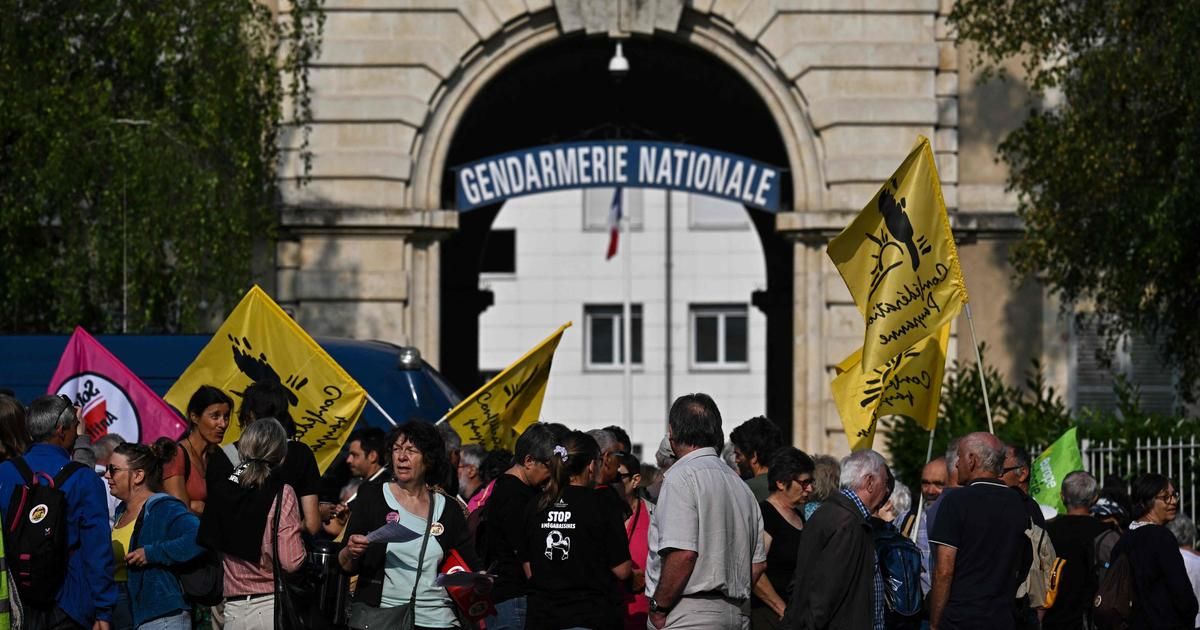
<point x="612" y="163"/>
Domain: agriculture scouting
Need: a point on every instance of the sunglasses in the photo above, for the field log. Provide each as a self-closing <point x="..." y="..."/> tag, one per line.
<point x="627" y="475"/>
<point x="112" y="470"/>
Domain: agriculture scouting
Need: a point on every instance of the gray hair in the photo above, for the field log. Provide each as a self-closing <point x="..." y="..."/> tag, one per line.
<point x="857" y="465"/>
<point x="1080" y="489"/>
<point x="665" y="455"/>
<point x="262" y="447"/>
<point x="990" y="450"/>
<point x="729" y="457"/>
<point x="104" y="446"/>
<point x="472" y="455"/>
<point x="48" y="414"/>
<point x="604" y="438"/>
<point x="449" y="436"/>
<point x="826" y="471"/>
<point x="952" y="456"/>
<point x="901" y="499"/>
<point x="1184" y="530"/>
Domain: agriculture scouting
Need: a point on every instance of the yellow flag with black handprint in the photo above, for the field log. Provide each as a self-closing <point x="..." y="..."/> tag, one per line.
<point x="909" y="384"/>
<point x="899" y="260"/>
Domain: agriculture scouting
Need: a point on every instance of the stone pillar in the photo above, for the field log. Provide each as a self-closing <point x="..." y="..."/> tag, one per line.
<point x="366" y="274"/>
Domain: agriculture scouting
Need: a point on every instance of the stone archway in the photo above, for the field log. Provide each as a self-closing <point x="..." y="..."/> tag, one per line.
<point x="779" y="134"/>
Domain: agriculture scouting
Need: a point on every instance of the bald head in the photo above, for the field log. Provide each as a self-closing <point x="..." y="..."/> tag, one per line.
<point x="933" y="478"/>
<point x="980" y="456"/>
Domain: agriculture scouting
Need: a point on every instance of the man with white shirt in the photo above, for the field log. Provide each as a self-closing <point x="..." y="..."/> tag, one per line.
<point x="707" y="542"/>
<point x="1184" y="530"/>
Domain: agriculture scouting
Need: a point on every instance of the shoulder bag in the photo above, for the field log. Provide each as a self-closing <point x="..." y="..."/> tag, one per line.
<point x="403" y="617"/>
<point x="297" y="595"/>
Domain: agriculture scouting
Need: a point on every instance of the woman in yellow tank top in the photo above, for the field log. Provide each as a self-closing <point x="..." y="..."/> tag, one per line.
<point x="134" y="476"/>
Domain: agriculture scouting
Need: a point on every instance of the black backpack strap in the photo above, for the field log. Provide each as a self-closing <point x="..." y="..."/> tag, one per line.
<point x="24" y="469"/>
<point x="67" y="470"/>
<point x="187" y="461"/>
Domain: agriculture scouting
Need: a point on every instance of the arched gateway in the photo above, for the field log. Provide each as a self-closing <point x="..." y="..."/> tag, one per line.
<point x="833" y="93"/>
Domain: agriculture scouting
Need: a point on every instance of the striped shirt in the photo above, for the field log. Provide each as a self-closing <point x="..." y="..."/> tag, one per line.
<point x="258" y="578"/>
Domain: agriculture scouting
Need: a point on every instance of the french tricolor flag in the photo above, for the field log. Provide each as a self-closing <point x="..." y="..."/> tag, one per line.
<point x="614" y="224"/>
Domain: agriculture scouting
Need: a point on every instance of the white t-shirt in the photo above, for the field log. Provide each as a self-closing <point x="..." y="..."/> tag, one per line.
<point x="1191" y="562"/>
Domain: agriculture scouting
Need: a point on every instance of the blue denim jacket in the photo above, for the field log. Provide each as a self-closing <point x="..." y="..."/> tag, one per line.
<point x="168" y="534"/>
<point x="88" y="592"/>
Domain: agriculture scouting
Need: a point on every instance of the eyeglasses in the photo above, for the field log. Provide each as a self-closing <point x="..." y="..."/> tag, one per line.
<point x="804" y="483"/>
<point x="1005" y="471"/>
<point x="627" y="475"/>
<point x="1168" y="497"/>
<point x="112" y="470"/>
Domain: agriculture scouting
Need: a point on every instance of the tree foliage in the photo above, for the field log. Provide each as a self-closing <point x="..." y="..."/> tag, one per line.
<point x="1107" y="179"/>
<point x="1033" y="415"/>
<point x="139" y="150"/>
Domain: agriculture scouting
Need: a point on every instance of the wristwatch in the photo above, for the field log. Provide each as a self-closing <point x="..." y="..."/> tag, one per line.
<point x="656" y="608"/>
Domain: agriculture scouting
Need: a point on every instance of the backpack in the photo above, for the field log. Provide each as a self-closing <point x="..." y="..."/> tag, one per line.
<point x="1113" y="605"/>
<point x="1101" y="553"/>
<point x="1041" y="583"/>
<point x="202" y="579"/>
<point x="35" y="535"/>
<point x="900" y="567"/>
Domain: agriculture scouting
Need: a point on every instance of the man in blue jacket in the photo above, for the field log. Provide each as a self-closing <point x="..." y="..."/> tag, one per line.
<point x="88" y="594"/>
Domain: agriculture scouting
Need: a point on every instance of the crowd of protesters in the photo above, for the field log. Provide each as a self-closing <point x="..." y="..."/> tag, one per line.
<point x="570" y="529"/>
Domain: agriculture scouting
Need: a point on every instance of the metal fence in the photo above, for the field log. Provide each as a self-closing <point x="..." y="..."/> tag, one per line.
<point x="1177" y="458"/>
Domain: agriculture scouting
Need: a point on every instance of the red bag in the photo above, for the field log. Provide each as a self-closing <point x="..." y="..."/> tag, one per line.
<point x="475" y="606"/>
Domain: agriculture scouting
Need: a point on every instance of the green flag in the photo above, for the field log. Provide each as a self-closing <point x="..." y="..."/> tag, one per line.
<point x="1051" y="467"/>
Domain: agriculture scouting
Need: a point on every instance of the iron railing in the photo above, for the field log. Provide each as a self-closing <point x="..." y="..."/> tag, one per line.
<point x="1177" y="458"/>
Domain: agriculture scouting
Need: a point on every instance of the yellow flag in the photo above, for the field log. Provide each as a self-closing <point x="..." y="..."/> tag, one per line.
<point x="899" y="260"/>
<point x="909" y="384"/>
<point x="258" y="342"/>
<point x="506" y="405"/>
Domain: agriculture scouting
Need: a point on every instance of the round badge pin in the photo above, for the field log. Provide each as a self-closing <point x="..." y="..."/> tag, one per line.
<point x="392" y="517"/>
<point x="38" y="513"/>
<point x="436" y="529"/>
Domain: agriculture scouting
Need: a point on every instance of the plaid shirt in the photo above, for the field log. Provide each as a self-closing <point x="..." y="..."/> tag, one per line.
<point x="876" y="601"/>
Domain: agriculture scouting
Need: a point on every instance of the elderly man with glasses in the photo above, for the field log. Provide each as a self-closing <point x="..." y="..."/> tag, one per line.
<point x="87" y="593"/>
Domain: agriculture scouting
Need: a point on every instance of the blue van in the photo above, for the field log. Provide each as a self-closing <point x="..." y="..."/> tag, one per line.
<point x="396" y="377"/>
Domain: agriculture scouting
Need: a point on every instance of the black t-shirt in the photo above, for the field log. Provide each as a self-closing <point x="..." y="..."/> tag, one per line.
<point x="986" y="522"/>
<point x="500" y="531"/>
<point x="612" y="499"/>
<point x="1074" y="538"/>
<point x="571" y="548"/>
<point x="781" y="558"/>
<point x="299" y="470"/>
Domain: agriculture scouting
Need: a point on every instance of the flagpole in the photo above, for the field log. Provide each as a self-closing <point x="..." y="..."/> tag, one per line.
<point x="379" y="408"/>
<point x="987" y="406"/>
<point x="627" y="322"/>
<point x="921" y="501"/>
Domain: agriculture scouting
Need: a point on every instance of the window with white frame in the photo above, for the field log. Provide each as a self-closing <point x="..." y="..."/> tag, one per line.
<point x="720" y="336"/>
<point x="597" y="203"/>
<point x="604" y="335"/>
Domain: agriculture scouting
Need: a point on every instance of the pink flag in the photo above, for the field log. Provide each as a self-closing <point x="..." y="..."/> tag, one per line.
<point x="113" y="399"/>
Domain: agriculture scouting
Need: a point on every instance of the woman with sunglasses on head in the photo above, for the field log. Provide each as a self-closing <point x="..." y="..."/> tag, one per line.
<point x="208" y="416"/>
<point x="153" y="531"/>
<point x="791" y="482"/>
<point x="573" y="548"/>
<point x="1162" y="595"/>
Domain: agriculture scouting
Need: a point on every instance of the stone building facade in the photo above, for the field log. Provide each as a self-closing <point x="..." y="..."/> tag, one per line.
<point x="406" y="89"/>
